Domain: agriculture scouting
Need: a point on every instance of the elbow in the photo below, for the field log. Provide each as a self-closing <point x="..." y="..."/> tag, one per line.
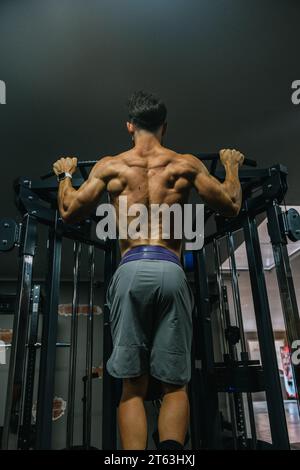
<point x="235" y="211"/>
<point x="232" y="210"/>
<point x="64" y="212"/>
<point x="69" y="215"/>
<point x="65" y="218"/>
<point x="69" y="218"/>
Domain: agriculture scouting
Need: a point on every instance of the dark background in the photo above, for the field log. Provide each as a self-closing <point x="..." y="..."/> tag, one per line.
<point x="224" y="68"/>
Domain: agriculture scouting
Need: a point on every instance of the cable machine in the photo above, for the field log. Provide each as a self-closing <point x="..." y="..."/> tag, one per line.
<point x="236" y="375"/>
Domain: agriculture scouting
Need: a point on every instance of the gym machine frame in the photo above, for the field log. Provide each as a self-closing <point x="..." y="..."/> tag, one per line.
<point x="263" y="191"/>
<point x="36" y="201"/>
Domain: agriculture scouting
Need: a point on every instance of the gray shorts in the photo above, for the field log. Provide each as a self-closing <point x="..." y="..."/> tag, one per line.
<point x="151" y="306"/>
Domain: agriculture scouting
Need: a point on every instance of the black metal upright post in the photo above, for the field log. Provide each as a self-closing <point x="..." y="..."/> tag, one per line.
<point x="278" y="425"/>
<point x="87" y="417"/>
<point x="48" y="348"/>
<point x="73" y="346"/>
<point x="20" y="328"/>
<point x="26" y="439"/>
<point x="109" y="409"/>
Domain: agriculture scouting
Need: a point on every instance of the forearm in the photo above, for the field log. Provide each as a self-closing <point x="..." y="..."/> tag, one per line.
<point x="65" y="198"/>
<point x="232" y="185"/>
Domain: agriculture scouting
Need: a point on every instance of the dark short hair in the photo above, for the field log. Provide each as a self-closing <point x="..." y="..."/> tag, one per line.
<point x="146" y="111"/>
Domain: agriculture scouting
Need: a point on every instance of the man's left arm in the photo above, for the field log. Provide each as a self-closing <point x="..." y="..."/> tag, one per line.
<point x="76" y="205"/>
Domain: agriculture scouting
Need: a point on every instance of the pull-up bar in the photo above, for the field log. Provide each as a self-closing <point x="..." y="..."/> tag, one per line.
<point x="213" y="157"/>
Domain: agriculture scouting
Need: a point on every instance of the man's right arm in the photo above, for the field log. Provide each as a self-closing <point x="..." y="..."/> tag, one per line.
<point x="226" y="197"/>
<point x="76" y="205"/>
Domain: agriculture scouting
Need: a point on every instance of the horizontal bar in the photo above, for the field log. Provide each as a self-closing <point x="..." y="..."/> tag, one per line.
<point x="202" y="156"/>
<point x="216" y="156"/>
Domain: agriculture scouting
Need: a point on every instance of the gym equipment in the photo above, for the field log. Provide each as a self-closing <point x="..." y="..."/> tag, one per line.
<point x="9" y="233"/>
<point x="263" y="191"/>
<point x="293" y="224"/>
<point x="234" y="335"/>
<point x="37" y="204"/>
<point x="212" y="157"/>
<point x="87" y="416"/>
<point x="236" y="375"/>
<point x="73" y="351"/>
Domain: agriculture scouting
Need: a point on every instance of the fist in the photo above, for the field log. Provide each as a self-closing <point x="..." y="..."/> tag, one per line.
<point x="67" y="165"/>
<point x="231" y="156"/>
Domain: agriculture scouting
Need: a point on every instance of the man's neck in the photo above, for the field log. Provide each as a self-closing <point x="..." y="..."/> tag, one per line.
<point x="146" y="141"/>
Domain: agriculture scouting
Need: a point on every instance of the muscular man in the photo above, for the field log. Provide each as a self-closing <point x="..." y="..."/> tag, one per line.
<point x="149" y="297"/>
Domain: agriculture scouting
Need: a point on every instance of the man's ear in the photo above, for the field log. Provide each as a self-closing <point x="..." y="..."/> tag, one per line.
<point x="130" y="127"/>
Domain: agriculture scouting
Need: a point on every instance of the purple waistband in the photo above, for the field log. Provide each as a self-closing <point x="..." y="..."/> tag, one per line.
<point x="150" y="252"/>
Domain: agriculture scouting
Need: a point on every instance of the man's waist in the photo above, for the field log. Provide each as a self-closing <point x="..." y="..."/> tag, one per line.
<point x="152" y="252"/>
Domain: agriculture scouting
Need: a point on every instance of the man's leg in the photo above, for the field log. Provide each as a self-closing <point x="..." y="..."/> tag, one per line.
<point x="174" y="414"/>
<point x="132" y="415"/>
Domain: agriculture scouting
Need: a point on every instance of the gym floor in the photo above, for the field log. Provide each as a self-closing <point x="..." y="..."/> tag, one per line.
<point x="292" y="417"/>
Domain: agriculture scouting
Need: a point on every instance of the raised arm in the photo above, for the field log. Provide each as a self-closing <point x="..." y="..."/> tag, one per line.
<point x="76" y="205"/>
<point x="226" y="197"/>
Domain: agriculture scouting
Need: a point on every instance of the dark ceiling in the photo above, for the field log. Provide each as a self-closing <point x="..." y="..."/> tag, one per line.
<point x="224" y="68"/>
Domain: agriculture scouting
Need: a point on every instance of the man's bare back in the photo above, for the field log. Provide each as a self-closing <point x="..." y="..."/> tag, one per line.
<point x="151" y="175"/>
<point x="156" y="176"/>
